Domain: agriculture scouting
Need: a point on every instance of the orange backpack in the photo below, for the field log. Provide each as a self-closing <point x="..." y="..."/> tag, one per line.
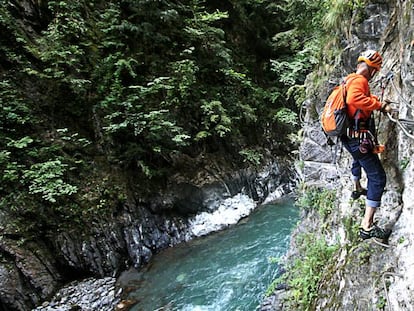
<point x="334" y="117"/>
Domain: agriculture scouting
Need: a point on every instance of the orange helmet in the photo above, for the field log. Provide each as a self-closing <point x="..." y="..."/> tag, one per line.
<point x="371" y="58"/>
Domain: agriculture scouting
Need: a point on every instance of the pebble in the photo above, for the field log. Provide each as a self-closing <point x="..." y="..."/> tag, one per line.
<point x="89" y="295"/>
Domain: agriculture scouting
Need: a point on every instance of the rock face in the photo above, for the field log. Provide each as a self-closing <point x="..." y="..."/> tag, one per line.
<point x="32" y="272"/>
<point x="89" y="294"/>
<point x="370" y="276"/>
<point x="27" y="275"/>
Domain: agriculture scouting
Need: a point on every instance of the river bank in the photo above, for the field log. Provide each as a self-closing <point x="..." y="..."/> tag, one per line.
<point x="224" y="269"/>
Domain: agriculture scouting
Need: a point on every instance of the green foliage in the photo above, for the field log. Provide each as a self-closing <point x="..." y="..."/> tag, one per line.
<point x="305" y="273"/>
<point x="351" y="227"/>
<point x="286" y="116"/>
<point x="46" y="179"/>
<point x="404" y="163"/>
<point x="136" y="84"/>
<point x="272" y="287"/>
<point x="321" y="200"/>
<point x="338" y="13"/>
<point x="153" y="125"/>
<point x="254" y="157"/>
<point x="364" y="254"/>
<point x="381" y="303"/>
<point x="216" y="119"/>
<point x="184" y="76"/>
<point x="303" y="37"/>
<point x="14" y="111"/>
<point x="60" y="47"/>
<point x="34" y="171"/>
<point x="27" y="168"/>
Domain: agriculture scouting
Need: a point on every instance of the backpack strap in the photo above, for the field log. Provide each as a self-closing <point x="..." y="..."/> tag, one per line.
<point x="344" y="94"/>
<point x="344" y="87"/>
<point x="334" y="153"/>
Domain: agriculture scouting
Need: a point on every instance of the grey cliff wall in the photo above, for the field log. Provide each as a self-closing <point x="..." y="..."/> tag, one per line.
<point x="368" y="275"/>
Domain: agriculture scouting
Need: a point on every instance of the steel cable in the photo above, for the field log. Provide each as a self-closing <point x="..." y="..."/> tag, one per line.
<point x="385" y="286"/>
<point x="400" y="95"/>
<point x="403" y="127"/>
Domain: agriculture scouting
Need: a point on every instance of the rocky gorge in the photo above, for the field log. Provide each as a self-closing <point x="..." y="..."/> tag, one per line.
<point x="29" y="278"/>
<point x="365" y="276"/>
<point x="85" y="195"/>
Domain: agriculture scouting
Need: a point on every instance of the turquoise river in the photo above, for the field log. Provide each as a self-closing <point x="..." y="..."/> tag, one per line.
<point x="226" y="270"/>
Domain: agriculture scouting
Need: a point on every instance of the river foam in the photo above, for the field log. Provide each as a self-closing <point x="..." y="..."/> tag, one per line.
<point x="228" y="213"/>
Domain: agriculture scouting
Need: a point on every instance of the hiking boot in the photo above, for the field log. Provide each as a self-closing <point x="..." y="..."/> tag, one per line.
<point x="374" y="232"/>
<point x="356" y="194"/>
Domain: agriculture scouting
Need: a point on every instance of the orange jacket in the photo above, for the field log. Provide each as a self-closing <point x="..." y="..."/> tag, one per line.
<point x="359" y="97"/>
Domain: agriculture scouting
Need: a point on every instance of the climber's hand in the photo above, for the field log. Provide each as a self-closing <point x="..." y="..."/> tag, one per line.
<point x="386" y="107"/>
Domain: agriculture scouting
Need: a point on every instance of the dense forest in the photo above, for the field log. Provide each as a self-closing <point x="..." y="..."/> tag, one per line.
<point x="93" y="87"/>
<point x="103" y="101"/>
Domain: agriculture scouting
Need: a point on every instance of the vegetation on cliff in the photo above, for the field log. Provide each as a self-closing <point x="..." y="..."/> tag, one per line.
<point x="356" y="274"/>
<point x="89" y="88"/>
<point x="102" y="101"/>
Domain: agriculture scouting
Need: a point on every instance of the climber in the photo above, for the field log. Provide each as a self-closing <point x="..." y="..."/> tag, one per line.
<point x="361" y="143"/>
